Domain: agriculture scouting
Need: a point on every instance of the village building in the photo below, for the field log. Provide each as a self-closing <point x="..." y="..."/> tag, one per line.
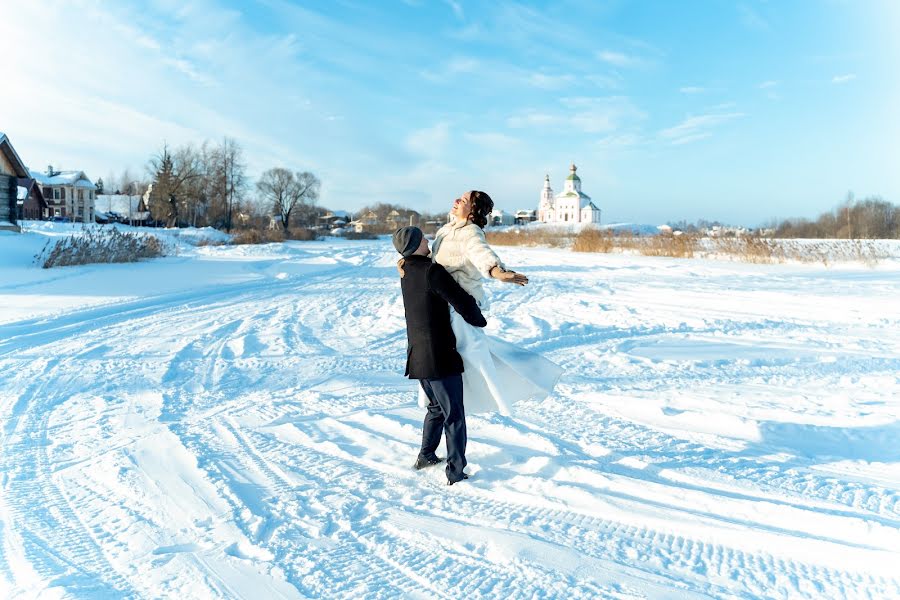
<point x="69" y="194"/>
<point x="499" y="218"/>
<point x="121" y="208"/>
<point x="334" y="219"/>
<point x="572" y="206"/>
<point x="11" y="170"/>
<point x="32" y="205"/>
<point x="525" y="216"/>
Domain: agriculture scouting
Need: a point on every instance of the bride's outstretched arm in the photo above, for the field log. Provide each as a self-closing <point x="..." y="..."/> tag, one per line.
<point x="480" y="253"/>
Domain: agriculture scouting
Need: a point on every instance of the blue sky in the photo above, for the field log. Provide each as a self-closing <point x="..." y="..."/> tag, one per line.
<point x="739" y="111"/>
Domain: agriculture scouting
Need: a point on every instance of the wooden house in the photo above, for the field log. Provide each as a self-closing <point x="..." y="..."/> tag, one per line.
<point x="32" y="205"/>
<point x="11" y="169"/>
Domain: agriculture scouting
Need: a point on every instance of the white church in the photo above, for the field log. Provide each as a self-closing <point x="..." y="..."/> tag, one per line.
<point x="570" y="206"/>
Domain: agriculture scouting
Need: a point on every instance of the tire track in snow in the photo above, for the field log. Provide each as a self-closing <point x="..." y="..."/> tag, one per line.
<point x="48" y="529"/>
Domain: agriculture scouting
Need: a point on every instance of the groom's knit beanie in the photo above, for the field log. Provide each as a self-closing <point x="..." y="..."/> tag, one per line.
<point x="407" y="240"/>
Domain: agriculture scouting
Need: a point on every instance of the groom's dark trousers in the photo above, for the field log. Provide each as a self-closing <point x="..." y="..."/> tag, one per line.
<point x="431" y="355"/>
<point x="445" y="412"/>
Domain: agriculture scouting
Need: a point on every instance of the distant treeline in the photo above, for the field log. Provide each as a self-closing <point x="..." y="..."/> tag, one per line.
<point x="870" y="218"/>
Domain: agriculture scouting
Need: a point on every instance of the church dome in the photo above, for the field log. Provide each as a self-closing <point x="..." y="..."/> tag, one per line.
<point x="572" y="176"/>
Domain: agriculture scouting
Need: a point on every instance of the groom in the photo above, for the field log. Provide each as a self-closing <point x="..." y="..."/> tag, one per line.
<point x="431" y="355"/>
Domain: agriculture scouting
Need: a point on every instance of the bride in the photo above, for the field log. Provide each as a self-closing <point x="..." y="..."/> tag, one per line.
<point x="497" y="374"/>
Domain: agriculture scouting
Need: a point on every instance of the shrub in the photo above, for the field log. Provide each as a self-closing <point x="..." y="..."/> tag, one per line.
<point x="539" y="236"/>
<point x="667" y="244"/>
<point x="359" y="235"/>
<point x="302" y="234"/>
<point x="258" y="236"/>
<point x="210" y="242"/>
<point x="99" y="246"/>
<point x="594" y="240"/>
<point x="752" y="249"/>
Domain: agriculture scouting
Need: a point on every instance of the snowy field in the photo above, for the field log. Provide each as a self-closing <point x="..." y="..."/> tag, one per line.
<point x="232" y="422"/>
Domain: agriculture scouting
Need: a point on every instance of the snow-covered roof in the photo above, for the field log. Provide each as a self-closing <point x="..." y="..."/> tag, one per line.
<point x="76" y="178"/>
<point x="121" y="204"/>
<point x="7" y="148"/>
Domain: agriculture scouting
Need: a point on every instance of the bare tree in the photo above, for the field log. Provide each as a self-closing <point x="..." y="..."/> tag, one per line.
<point x="288" y="192"/>
<point x="234" y="177"/>
<point x="308" y="186"/>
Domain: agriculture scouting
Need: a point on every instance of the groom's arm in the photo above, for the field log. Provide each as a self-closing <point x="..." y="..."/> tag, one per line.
<point x="443" y="284"/>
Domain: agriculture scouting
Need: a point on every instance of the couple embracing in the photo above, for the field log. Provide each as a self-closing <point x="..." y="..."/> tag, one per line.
<point x="460" y="369"/>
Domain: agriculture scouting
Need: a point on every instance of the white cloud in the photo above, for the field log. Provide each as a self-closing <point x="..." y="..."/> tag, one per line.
<point x="840" y="79"/>
<point x="582" y="114"/>
<point x="451" y="68"/>
<point x="611" y="82"/>
<point x="550" y="82"/>
<point x="429" y="141"/>
<point x="619" y="59"/>
<point x="696" y="128"/>
<point x="693" y="89"/>
<point x="767" y="84"/>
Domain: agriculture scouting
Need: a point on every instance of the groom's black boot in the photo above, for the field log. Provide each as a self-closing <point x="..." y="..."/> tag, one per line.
<point x="423" y="462"/>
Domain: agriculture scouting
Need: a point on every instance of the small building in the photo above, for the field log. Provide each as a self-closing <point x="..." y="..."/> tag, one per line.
<point x="394" y="219"/>
<point x="356" y="226"/>
<point x="32" y="205"/>
<point x="121" y="208"/>
<point x="333" y="219"/>
<point x="11" y="170"/>
<point x="275" y="222"/>
<point x="524" y="217"/>
<point x="69" y="194"/>
<point x="499" y="218"/>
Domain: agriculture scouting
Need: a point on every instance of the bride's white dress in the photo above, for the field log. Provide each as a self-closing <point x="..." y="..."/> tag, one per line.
<point x="497" y="374"/>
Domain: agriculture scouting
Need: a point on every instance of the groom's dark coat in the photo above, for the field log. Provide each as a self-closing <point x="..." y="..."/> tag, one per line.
<point x="427" y="289"/>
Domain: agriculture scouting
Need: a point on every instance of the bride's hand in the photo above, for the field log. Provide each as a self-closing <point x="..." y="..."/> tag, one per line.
<point x="508" y="276"/>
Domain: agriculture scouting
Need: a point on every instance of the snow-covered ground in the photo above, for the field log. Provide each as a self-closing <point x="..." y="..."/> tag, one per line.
<point x="233" y="422"/>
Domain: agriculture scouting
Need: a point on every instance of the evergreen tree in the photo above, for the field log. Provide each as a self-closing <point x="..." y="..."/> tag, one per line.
<point x="161" y="197"/>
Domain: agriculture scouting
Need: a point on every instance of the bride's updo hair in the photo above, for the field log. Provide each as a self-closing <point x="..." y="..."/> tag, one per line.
<point x="482" y="206"/>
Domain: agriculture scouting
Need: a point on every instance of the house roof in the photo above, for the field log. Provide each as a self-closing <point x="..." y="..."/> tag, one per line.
<point x="76" y="178"/>
<point x="121" y="204"/>
<point x="26" y="186"/>
<point x="12" y="156"/>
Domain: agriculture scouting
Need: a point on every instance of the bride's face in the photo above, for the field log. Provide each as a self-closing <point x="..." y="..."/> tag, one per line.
<point x="462" y="207"/>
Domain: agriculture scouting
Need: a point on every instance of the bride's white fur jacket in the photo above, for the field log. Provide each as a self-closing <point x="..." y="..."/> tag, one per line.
<point x="460" y="247"/>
